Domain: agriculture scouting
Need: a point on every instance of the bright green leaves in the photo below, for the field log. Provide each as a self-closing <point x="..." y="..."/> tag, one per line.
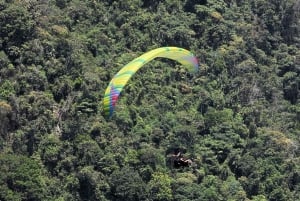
<point x="6" y="90"/>
<point x="238" y="119"/>
<point x="160" y="186"/>
<point x="215" y="117"/>
<point x="21" y="178"/>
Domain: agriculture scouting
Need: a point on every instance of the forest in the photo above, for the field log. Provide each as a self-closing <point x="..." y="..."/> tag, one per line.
<point x="237" y="119"/>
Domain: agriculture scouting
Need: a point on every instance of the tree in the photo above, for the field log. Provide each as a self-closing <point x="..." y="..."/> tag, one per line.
<point x="92" y="185"/>
<point x="238" y="119"/>
<point x="6" y="90"/>
<point x="17" y="25"/>
<point x="160" y="187"/>
<point x="21" y="178"/>
<point x="5" y="113"/>
<point x="126" y="184"/>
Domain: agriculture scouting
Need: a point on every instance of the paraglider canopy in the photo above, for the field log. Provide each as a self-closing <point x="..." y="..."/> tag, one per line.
<point x="112" y="92"/>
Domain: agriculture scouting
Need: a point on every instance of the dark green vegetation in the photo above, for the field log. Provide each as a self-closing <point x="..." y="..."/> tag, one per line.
<point x="239" y="118"/>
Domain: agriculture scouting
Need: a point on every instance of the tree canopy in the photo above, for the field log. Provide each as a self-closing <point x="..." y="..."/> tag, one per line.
<point x="238" y="119"/>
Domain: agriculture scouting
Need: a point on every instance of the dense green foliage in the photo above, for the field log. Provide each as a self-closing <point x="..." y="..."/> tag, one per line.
<point x="238" y="119"/>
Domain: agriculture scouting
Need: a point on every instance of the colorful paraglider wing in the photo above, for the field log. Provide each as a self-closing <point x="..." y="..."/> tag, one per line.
<point x="117" y="83"/>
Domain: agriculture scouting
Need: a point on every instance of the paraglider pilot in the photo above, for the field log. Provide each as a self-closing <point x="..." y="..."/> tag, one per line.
<point x="180" y="161"/>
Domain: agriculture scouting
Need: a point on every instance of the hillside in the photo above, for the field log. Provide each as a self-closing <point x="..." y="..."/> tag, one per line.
<point x="238" y="118"/>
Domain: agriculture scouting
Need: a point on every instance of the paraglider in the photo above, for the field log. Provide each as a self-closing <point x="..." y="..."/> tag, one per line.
<point x="180" y="161"/>
<point x="112" y="92"/>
